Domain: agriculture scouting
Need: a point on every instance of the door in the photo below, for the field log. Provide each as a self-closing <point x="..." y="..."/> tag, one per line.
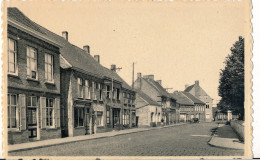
<point x="32" y="122"/>
<point x="115" y="117"/>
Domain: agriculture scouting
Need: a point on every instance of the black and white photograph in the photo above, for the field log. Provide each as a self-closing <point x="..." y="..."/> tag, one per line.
<point x="127" y="79"/>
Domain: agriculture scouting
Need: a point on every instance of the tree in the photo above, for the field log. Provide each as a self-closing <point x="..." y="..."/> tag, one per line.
<point x="231" y="82"/>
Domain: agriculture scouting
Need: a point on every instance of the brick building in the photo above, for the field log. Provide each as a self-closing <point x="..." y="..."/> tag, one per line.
<point x="197" y="91"/>
<point x="154" y="89"/>
<point x="187" y="106"/>
<point x="33" y="81"/>
<point x="148" y="111"/>
<point x="93" y="98"/>
<point x="199" y="106"/>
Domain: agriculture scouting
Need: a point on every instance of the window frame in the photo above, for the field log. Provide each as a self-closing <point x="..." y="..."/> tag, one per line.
<point x="31" y="58"/>
<point x="15" y="58"/>
<point x="52" y="67"/>
<point x="17" y="116"/>
<point x="80" y="87"/>
<point x="53" y="113"/>
<point x="83" y="122"/>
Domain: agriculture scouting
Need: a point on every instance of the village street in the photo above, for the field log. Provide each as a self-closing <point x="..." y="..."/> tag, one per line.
<point x="184" y="140"/>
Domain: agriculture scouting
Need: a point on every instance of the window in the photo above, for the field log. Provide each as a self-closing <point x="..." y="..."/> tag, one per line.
<point x="118" y="94"/>
<point x="99" y="118"/>
<point x="126" y="117"/>
<point x="12" y="56"/>
<point x="78" y="117"/>
<point x="108" y="117"/>
<point x="108" y="91"/>
<point x="80" y="88"/>
<point x="31" y="63"/>
<point x="13" y="114"/>
<point x="48" y="67"/>
<point x="87" y="90"/>
<point x="49" y="112"/>
<point x="94" y="89"/>
<point x="31" y="111"/>
<point x="100" y="91"/>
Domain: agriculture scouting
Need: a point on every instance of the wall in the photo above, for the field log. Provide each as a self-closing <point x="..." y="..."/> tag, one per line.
<point x="238" y="127"/>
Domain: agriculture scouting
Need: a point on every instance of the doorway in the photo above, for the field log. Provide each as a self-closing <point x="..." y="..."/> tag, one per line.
<point x="116" y="117"/>
<point x="32" y="123"/>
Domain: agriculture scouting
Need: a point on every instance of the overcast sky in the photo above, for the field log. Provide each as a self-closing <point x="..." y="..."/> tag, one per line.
<point x="177" y="43"/>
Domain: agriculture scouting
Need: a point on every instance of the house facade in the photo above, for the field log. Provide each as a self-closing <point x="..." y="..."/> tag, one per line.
<point x="148" y="112"/>
<point x="33" y="81"/>
<point x="199" y="110"/>
<point x="154" y="89"/>
<point x="197" y="91"/>
<point x="94" y="98"/>
<point x="187" y="106"/>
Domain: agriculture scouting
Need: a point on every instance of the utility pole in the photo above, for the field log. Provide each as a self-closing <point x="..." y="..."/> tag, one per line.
<point x="133" y="75"/>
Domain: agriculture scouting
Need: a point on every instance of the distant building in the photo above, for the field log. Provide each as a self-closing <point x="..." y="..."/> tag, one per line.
<point x="33" y="81"/>
<point x="198" y="92"/>
<point x="154" y="89"/>
<point x="187" y="106"/>
<point x="148" y="112"/>
<point x="199" y="107"/>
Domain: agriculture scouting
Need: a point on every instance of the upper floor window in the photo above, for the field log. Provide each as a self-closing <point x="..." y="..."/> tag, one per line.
<point x="32" y="63"/>
<point x="108" y="91"/>
<point x="87" y="90"/>
<point x="12" y="56"/>
<point x="80" y="88"/>
<point x="117" y="93"/>
<point x="48" y="67"/>
<point x="94" y="89"/>
<point x="100" y="91"/>
<point x="114" y="92"/>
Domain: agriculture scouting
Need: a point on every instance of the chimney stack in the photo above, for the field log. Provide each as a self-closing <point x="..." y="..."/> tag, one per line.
<point x="197" y="83"/>
<point x="97" y="58"/>
<point x="65" y="35"/>
<point x="86" y="49"/>
<point x="151" y="77"/>
<point x="139" y="75"/>
<point x="186" y="86"/>
<point x="113" y="67"/>
<point x="159" y="81"/>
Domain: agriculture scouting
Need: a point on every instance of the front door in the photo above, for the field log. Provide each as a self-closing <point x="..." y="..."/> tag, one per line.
<point x="116" y="117"/>
<point x="32" y="122"/>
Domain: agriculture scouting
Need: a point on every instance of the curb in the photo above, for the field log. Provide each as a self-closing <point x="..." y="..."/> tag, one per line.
<point x="105" y="136"/>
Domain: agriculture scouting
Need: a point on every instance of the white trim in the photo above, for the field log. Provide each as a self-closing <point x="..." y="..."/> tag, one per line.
<point x="32" y="32"/>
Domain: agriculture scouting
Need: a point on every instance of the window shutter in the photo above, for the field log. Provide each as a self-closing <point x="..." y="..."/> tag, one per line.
<point x="43" y="111"/>
<point x="91" y="93"/>
<point x="57" y="112"/>
<point x="22" y="105"/>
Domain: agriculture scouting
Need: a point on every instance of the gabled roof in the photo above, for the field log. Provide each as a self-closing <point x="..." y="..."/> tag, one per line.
<point x="189" y="88"/>
<point x="181" y="98"/>
<point x="158" y="87"/>
<point x="193" y="98"/>
<point x="146" y="98"/>
<point x="71" y="55"/>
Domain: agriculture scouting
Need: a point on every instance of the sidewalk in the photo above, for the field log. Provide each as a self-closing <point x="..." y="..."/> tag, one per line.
<point x="225" y="137"/>
<point x="58" y="141"/>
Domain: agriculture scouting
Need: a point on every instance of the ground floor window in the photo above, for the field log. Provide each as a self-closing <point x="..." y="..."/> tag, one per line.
<point x="78" y="117"/>
<point x="13" y="114"/>
<point x="108" y="117"/>
<point x="99" y="118"/>
<point x="49" y="112"/>
<point x="126" y="117"/>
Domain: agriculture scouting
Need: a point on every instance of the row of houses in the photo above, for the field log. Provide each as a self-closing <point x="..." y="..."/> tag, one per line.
<point x="56" y="89"/>
<point x="155" y="106"/>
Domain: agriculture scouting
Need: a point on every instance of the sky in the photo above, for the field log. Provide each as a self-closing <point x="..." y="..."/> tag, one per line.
<point x="176" y="42"/>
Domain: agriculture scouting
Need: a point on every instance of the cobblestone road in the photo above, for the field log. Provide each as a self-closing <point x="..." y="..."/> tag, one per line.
<point x="185" y="140"/>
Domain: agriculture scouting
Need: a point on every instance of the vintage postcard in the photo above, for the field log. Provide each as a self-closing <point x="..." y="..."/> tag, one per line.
<point x="127" y="79"/>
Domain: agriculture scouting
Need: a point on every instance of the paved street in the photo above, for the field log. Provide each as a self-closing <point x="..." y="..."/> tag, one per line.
<point x="185" y="140"/>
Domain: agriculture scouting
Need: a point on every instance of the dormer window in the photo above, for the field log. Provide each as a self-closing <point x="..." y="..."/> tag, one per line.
<point x="32" y="63"/>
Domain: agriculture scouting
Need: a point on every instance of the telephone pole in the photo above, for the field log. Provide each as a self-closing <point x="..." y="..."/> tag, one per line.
<point x="133" y="76"/>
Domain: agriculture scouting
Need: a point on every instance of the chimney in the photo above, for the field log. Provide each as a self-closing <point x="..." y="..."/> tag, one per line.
<point x="197" y="83"/>
<point x="65" y="35"/>
<point x="113" y="67"/>
<point x="151" y="77"/>
<point x="186" y="86"/>
<point x="86" y="49"/>
<point x="159" y="81"/>
<point x="139" y="75"/>
<point x="145" y="76"/>
<point x="97" y="58"/>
